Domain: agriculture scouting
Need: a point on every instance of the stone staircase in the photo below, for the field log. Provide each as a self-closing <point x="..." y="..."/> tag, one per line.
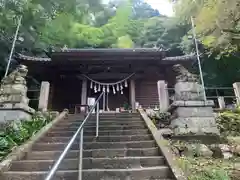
<point x="124" y="150"/>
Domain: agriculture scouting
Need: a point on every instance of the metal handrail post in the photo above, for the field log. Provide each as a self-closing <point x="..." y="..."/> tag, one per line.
<point x="97" y="120"/>
<point x="198" y="58"/>
<point x="80" y="155"/>
<point x="69" y="145"/>
<point x="13" y="46"/>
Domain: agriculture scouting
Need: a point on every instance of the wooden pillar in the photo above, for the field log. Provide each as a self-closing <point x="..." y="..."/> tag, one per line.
<point x="104" y="101"/>
<point x="44" y="96"/>
<point x="84" y="92"/>
<point x="133" y="94"/>
<point x="236" y="87"/>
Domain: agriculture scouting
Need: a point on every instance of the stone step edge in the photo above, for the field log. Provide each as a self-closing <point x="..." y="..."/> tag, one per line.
<point x="104" y="120"/>
<point x="114" y="136"/>
<point x="101" y="126"/>
<point x="92" y="170"/>
<point x="144" y="129"/>
<point x="92" y="158"/>
<point x="90" y="150"/>
<point x="101" y="122"/>
<point x="127" y="142"/>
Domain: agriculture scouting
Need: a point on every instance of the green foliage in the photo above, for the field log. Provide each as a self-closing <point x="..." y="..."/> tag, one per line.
<point x="211" y="175"/>
<point x="217" y="23"/>
<point x="229" y="122"/>
<point x="73" y="23"/>
<point x="210" y="170"/>
<point x="160" y="119"/>
<point x="125" y="42"/>
<point x="217" y="27"/>
<point x="142" y="10"/>
<point x="17" y="132"/>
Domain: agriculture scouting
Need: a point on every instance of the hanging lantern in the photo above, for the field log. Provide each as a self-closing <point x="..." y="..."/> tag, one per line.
<point x="117" y="87"/>
<point x="121" y="92"/>
<point x="104" y="89"/>
<point x="99" y="87"/>
<point x="108" y="88"/>
<point x="126" y="84"/>
<point x="114" y="91"/>
<point x="121" y="87"/>
<point x="91" y="85"/>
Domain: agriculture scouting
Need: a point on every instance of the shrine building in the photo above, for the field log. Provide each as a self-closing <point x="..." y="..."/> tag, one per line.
<point x="127" y="76"/>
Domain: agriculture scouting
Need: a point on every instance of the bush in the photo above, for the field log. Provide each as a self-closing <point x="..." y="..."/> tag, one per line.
<point x="203" y="169"/>
<point x="16" y="133"/>
<point x="229" y="122"/>
<point x="160" y="119"/>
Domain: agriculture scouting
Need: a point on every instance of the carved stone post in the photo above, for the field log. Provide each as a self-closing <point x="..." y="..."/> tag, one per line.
<point x="163" y="96"/>
<point x="236" y="87"/>
<point x="221" y="102"/>
<point x="44" y="96"/>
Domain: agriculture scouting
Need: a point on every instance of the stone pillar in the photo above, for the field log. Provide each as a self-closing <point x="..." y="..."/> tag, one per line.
<point x="221" y="102"/>
<point x="236" y="87"/>
<point x="44" y="96"/>
<point x="163" y="96"/>
<point x="133" y="94"/>
<point x="51" y="96"/>
<point x="84" y="92"/>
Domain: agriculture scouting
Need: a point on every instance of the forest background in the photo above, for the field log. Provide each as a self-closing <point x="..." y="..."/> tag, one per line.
<point x="53" y="24"/>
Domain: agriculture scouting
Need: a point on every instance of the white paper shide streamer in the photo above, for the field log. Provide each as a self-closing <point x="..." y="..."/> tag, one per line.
<point x="105" y="87"/>
<point x="91" y="85"/>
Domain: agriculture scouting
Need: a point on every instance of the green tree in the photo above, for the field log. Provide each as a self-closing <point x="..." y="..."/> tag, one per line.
<point x="217" y="28"/>
<point x="217" y="23"/>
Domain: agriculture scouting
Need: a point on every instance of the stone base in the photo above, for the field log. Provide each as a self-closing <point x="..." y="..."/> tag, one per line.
<point x="194" y="112"/>
<point x="193" y="118"/>
<point x="203" y="138"/>
<point x="188" y="122"/>
<point x="196" y="131"/>
<point x="16" y="106"/>
<point x="188" y="91"/>
<point x="13" y="114"/>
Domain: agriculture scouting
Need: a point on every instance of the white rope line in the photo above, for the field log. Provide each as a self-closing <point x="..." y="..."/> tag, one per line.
<point x="109" y="84"/>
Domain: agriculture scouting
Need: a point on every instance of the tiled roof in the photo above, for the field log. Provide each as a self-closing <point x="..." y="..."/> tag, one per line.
<point x="176" y="58"/>
<point x="181" y="58"/>
<point x="112" y="50"/>
<point x="31" y="58"/>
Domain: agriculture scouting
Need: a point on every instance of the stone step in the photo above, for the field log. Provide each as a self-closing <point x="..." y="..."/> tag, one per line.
<point x="94" y="145"/>
<point x="62" y="139"/>
<point x="103" y="119"/>
<point x="108" y="114"/>
<point x="101" y="133"/>
<point x="101" y="127"/>
<point x="89" y="163"/>
<point x="95" y="153"/>
<point x="116" y="115"/>
<point x="119" y="114"/>
<point x="150" y="173"/>
<point x="102" y="123"/>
